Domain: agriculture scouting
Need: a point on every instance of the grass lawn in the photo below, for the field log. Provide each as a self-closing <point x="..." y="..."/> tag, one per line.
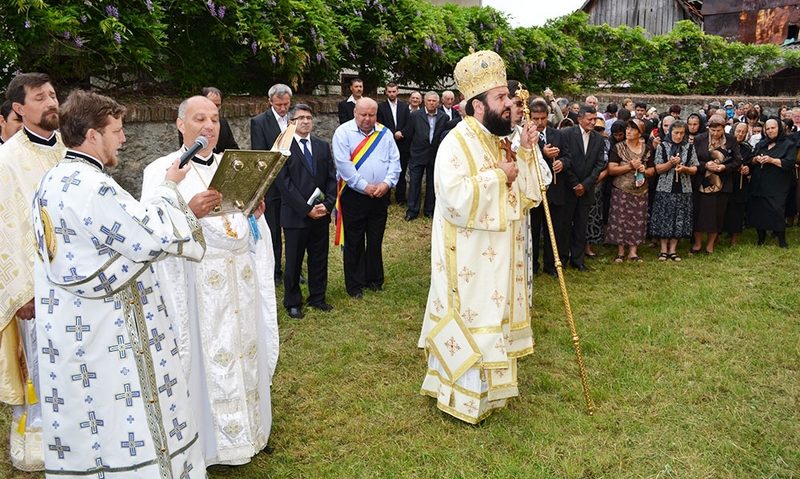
<point x="694" y="369"/>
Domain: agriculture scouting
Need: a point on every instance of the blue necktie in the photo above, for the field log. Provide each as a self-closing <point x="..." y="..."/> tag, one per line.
<point x="307" y="154"/>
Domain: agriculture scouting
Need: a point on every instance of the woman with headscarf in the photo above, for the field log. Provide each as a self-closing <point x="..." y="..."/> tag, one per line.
<point x="734" y="215"/>
<point x="772" y="170"/>
<point x="695" y="125"/>
<point x="630" y="163"/>
<point x="718" y="154"/>
<point x="671" y="213"/>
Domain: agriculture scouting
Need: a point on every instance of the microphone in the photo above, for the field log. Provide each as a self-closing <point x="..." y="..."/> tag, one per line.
<point x="199" y="144"/>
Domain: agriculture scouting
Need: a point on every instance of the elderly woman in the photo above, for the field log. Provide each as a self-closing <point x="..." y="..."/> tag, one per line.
<point x="772" y="171"/>
<point x="718" y="154"/>
<point x="630" y="163"/>
<point x="734" y="215"/>
<point x="671" y="215"/>
<point x="696" y="125"/>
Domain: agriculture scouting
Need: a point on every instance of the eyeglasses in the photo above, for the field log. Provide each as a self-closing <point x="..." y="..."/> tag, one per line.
<point x="303" y="117"/>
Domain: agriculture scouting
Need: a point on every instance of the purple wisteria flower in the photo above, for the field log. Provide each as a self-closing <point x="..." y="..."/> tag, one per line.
<point x="313" y="33"/>
<point x="498" y="44"/>
<point x="149" y="4"/>
<point x="117" y="38"/>
<point x="212" y="8"/>
<point x="274" y="59"/>
<point x="254" y="47"/>
<point x="405" y="50"/>
<point x="526" y="70"/>
<point x="78" y="42"/>
<point x="221" y="12"/>
<point x="84" y="19"/>
<point x="320" y="56"/>
<point x="66" y="35"/>
<point x="27" y="24"/>
<point x="112" y="11"/>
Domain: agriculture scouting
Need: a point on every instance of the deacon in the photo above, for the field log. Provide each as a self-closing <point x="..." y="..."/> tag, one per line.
<point x="24" y="159"/>
<point x="477" y="320"/>
<point x="368" y="165"/>
<point x="307" y="184"/>
<point x="113" y="393"/>
<point x="222" y="308"/>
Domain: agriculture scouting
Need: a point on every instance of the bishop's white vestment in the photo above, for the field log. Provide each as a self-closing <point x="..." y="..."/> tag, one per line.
<point x="223" y="309"/>
<point x="114" y="397"/>
<point x="477" y="318"/>
<point x="24" y="159"/>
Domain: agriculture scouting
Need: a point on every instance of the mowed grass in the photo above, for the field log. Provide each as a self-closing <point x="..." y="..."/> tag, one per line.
<point x="694" y="368"/>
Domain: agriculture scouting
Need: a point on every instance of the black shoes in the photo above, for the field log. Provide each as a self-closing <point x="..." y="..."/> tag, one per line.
<point x="551" y="272"/>
<point x="410" y="217"/>
<point x="580" y="267"/>
<point x="375" y="287"/>
<point x="295" y="313"/>
<point x="357" y="295"/>
<point x="323" y="306"/>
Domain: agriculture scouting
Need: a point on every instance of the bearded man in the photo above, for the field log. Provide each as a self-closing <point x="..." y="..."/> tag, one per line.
<point x="477" y="319"/>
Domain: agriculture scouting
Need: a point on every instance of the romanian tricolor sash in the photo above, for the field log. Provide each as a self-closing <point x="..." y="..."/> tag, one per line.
<point x="358" y="157"/>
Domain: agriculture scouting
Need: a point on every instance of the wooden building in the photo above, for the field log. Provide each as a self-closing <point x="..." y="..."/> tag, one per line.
<point x="656" y="17"/>
<point x="753" y="21"/>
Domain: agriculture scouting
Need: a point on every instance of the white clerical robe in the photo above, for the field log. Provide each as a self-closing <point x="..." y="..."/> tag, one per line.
<point x="113" y="393"/>
<point x="477" y="319"/>
<point x="223" y="309"/>
<point x="22" y="165"/>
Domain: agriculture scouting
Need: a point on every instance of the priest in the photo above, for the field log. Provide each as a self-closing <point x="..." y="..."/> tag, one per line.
<point x="477" y="319"/>
<point x="113" y="394"/>
<point x="24" y="159"/>
<point x="223" y="308"/>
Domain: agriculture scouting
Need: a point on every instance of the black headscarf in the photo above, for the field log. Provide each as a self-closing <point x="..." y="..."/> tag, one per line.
<point x="675" y="148"/>
<point x="701" y="129"/>
<point x="782" y="142"/>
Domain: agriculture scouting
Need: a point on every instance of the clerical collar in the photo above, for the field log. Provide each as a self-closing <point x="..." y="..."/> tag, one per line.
<point x="208" y="161"/>
<point x="39" y="140"/>
<point x="77" y="155"/>
<point x="1" y="141"/>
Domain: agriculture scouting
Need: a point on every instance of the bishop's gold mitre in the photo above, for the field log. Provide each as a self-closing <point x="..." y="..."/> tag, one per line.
<point x="480" y="72"/>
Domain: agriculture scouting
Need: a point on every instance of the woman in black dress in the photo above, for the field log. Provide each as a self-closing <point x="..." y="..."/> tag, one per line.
<point x="718" y="154"/>
<point x="772" y="171"/>
<point x="737" y="204"/>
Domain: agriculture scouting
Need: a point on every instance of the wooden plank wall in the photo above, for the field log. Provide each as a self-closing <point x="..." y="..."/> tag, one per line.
<point x="657" y="17"/>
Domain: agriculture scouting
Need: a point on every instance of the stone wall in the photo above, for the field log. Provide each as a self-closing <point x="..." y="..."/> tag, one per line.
<point x="151" y="132"/>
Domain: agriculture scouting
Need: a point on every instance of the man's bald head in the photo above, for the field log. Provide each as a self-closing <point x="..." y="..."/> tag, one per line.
<point x="365" y="113"/>
<point x="198" y="116"/>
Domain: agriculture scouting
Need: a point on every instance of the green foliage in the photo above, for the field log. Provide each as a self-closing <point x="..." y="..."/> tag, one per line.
<point x="244" y="46"/>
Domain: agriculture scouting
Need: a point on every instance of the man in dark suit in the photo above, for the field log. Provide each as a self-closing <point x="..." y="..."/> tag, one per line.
<point x="584" y="149"/>
<point x="448" y="101"/>
<point x="346" y="107"/>
<point x="305" y="219"/>
<point x="393" y="114"/>
<point x="425" y="127"/>
<point x="264" y="130"/>
<point x="225" y="141"/>
<point x="550" y="144"/>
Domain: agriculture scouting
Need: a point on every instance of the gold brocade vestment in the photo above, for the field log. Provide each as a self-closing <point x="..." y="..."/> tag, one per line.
<point x="477" y="319"/>
<point x="22" y="165"/>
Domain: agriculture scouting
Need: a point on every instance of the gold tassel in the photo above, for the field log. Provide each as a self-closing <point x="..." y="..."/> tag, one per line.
<point x="32" y="399"/>
<point x="21" y="427"/>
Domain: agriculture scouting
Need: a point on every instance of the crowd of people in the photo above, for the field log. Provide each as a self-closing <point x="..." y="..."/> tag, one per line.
<point x="149" y="327"/>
